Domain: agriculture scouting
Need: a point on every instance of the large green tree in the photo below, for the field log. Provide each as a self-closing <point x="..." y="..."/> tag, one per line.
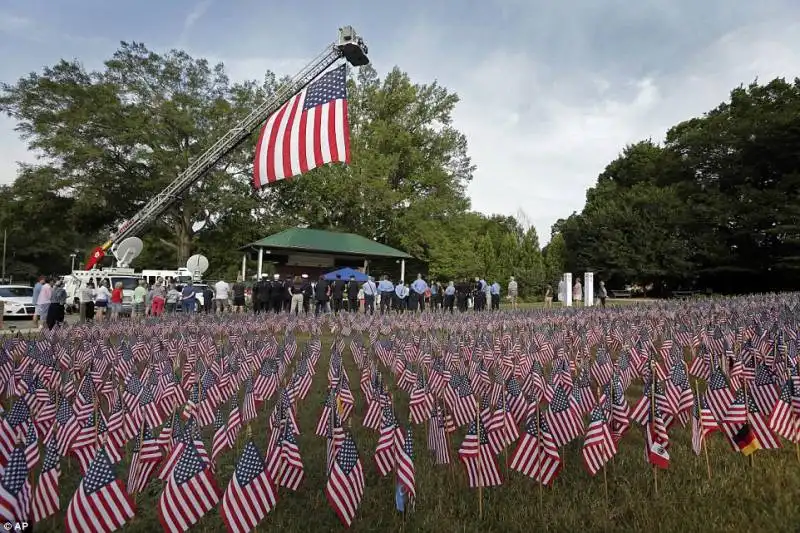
<point x="113" y="138"/>
<point x="409" y="172"/>
<point x="717" y="206"/>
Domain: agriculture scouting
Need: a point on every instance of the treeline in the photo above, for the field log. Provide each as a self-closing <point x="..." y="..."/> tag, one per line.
<point x="715" y="207"/>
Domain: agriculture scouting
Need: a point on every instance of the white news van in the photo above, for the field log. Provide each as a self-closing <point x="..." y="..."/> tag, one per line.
<point x="179" y="276"/>
<point x="73" y="283"/>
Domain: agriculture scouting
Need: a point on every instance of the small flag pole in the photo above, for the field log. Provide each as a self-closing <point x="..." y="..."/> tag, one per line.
<point x="652" y="418"/>
<point x="605" y="473"/>
<point x="747" y="421"/>
<point x="539" y="454"/>
<point x="480" y="469"/>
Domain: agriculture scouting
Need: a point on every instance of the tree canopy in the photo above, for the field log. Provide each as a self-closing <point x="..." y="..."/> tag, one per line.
<point x="714" y="207"/>
<point x="110" y="139"/>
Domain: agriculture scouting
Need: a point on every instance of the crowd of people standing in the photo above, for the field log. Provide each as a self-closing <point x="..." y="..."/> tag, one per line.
<point x="296" y="295"/>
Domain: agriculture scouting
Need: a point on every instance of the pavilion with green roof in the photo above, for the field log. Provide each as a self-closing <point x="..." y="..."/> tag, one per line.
<point x="313" y="251"/>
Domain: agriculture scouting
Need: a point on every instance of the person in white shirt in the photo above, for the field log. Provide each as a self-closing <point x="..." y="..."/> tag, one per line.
<point x="87" y="302"/>
<point x="369" y="290"/>
<point x="101" y="298"/>
<point x="222" y="295"/>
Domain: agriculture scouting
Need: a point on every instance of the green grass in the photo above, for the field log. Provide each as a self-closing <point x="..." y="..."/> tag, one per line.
<point x="739" y="496"/>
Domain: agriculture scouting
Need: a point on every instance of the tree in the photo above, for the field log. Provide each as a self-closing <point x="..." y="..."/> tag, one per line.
<point x="409" y="172"/>
<point x="487" y="259"/>
<point x="529" y="265"/>
<point x="715" y="207"/>
<point x="114" y="138"/>
<point x="555" y="259"/>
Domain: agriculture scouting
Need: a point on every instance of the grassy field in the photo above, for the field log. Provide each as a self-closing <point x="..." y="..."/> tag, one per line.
<point x="761" y="496"/>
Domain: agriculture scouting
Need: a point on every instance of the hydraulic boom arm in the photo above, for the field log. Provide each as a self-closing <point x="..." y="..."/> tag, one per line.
<point x="350" y="47"/>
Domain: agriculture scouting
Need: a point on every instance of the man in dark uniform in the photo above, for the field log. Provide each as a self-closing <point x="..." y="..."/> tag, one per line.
<point x="276" y="293"/>
<point x="288" y="283"/>
<point x="321" y="293"/>
<point x="308" y="293"/>
<point x="261" y="295"/>
<point x="462" y="290"/>
<point x="337" y="293"/>
<point x="352" y="295"/>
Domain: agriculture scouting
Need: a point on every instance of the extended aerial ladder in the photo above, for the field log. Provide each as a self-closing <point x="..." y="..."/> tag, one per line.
<point x="349" y="46"/>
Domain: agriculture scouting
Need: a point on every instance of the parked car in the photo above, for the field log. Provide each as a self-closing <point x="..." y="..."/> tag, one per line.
<point x="18" y="300"/>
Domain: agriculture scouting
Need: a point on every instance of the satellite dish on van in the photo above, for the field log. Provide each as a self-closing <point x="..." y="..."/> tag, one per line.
<point x="128" y="250"/>
<point x="197" y="264"/>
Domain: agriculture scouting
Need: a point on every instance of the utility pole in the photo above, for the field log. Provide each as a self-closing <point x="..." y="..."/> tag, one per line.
<point x="5" y="240"/>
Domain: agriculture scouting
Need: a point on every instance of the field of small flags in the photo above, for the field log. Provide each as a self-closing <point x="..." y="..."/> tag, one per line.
<point x="660" y="417"/>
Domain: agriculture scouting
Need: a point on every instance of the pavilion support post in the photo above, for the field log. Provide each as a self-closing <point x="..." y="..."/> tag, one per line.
<point x="568" y="289"/>
<point x="588" y="289"/>
<point x="244" y="267"/>
<point x="260" y="262"/>
<point x="402" y="269"/>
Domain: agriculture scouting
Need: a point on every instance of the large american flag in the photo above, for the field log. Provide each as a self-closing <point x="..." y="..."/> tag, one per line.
<point x="309" y="130"/>
<point x="101" y="503"/>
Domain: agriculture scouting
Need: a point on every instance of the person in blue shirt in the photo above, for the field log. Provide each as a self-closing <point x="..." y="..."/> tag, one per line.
<point x="386" y="292"/>
<point x="494" y="291"/>
<point x="188" y="298"/>
<point x="401" y="296"/>
<point x="416" y="298"/>
<point x="370" y="291"/>
<point x="449" y="297"/>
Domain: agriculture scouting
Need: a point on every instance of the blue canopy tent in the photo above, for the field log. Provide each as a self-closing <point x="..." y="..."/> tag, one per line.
<point x="345" y="274"/>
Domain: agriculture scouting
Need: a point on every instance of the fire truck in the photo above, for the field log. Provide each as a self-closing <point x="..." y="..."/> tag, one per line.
<point x="349" y="47"/>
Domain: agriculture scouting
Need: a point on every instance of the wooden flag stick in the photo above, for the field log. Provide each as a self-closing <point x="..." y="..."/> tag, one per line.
<point x="538" y="454"/>
<point x="653" y="418"/>
<point x="480" y="469"/>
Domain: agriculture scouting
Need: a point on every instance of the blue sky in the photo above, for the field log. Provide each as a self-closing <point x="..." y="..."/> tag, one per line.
<point x="551" y="91"/>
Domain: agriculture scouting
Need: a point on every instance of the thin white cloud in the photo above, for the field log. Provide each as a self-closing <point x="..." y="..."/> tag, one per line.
<point x="194" y="15"/>
<point x="538" y="148"/>
<point x="11" y="23"/>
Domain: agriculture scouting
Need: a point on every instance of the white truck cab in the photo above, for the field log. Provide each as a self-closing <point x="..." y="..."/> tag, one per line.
<point x="179" y="276"/>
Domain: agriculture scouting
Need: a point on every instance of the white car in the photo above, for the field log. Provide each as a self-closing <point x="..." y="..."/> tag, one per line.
<point x="18" y="300"/>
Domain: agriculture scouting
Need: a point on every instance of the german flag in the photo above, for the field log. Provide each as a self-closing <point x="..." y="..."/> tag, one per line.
<point x="746" y="440"/>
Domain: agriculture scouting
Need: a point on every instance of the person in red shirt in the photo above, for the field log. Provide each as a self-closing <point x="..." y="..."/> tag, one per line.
<point x="116" y="300"/>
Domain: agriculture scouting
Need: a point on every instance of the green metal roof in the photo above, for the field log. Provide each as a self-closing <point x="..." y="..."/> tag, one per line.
<point x="316" y="240"/>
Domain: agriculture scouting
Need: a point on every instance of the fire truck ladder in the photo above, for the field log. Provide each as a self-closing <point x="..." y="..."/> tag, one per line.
<point x="350" y="47"/>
